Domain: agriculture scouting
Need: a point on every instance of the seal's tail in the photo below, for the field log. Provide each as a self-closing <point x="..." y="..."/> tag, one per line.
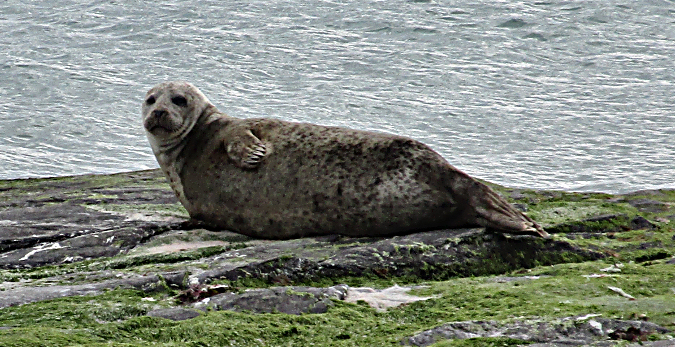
<point x="495" y="212"/>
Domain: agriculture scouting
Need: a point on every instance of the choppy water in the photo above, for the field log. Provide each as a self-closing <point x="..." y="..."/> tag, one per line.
<point x="574" y="95"/>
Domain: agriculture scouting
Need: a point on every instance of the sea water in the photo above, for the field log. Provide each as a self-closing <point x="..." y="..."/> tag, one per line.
<point x="569" y="95"/>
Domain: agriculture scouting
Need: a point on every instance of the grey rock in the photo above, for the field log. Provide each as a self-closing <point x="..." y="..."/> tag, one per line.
<point x="290" y="300"/>
<point x="648" y="205"/>
<point x="47" y="222"/>
<point x="433" y="255"/>
<point x="566" y="332"/>
<point x="175" y="313"/>
<point x="27" y="294"/>
<point x="648" y="192"/>
<point x="607" y="223"/>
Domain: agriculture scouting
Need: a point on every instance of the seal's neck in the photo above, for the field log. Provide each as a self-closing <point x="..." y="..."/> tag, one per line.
<point x="168" y="151"/>
<point x="170" y="156"/>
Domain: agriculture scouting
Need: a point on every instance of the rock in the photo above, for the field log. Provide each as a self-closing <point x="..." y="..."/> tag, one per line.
<point x="428" y="255"/>
<point x="648" y="192"/>
<point x="606" y="223"/>
<point x="383" y="299"/>
<point x="62" y="220"/>
<point x="649" y="205"/>
<point x="20" y="295"/>
<point x="73" y="219"/>
<point x="175" y="314"/>
<point x="298" y="300"/>
<point x="641" y="223"/>
<point x="565" y="332"/>
<point x="290" y="300"/>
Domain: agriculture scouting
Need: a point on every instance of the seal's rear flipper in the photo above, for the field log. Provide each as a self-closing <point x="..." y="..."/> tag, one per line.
<point x="493" y="211"/>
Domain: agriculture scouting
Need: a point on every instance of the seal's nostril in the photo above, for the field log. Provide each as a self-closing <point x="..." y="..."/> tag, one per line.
<point x="159" y="113"/>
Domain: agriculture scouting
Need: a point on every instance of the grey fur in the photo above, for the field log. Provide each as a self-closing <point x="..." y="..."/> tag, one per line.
<point x="273" y="179"/>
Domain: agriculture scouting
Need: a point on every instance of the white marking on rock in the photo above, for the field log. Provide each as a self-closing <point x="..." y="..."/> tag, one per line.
<point x="41" y="248"/>
<point x="382" y="299"/>
<point x="597" y="326"/>
<point x="621" y="292"/>
<point x="613" y="268"/>
<point x="132" y="216"/>
<point x="590" y="315"/>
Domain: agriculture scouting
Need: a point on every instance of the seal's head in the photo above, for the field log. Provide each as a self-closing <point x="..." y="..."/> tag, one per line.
<point x="170" y="110"/>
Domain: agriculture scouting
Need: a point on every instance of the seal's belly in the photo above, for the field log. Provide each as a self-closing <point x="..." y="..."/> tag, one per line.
<point x="334" y="188"/>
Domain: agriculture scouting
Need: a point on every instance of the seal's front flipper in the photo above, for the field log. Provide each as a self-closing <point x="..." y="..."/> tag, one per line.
<point x="246" y="151"/>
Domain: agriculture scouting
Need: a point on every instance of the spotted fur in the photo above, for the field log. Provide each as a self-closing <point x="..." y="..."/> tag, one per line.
<point x="273" y="179"/>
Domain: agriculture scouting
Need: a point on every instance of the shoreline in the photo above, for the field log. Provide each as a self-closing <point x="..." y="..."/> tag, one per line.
<point x="627" y="191"/>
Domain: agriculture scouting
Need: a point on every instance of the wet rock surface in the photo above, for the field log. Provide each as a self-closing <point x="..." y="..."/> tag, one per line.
<point x="86" y="235"/>
<point x="55" y="221"/>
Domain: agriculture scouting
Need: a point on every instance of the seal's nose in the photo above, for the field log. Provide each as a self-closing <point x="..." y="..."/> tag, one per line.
<point x="159" y="113"/>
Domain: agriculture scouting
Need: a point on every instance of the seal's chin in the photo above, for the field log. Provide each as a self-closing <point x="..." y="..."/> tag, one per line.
<point x="159" y="127"/>
<point x="155" y="128"/>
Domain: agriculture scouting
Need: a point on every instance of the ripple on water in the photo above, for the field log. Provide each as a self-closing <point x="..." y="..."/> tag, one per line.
<point x="556" y="94"/>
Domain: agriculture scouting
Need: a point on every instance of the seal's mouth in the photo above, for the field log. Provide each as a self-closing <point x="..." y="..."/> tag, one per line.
<point x="160" y="125"/>
<point x="155" y="127"/>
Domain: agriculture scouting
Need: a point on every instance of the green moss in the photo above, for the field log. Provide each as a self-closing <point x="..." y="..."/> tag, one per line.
<point x="559" y="212"/>
<point x="45" y="337"/>
<point x="637" y="245"/>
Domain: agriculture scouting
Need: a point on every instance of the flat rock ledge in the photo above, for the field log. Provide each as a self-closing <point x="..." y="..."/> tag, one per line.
<point x="131" y="220"/>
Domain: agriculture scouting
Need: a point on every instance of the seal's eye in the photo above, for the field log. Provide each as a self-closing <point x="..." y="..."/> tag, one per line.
<point x="150" y="100"/>
<point x="179" y="100"/>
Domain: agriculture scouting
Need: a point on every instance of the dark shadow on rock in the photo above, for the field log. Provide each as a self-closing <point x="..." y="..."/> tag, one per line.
<point x="433" y="255"/>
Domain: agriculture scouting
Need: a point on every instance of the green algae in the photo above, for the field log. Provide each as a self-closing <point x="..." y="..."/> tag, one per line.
<point x="146" y="178"/>
<point x="558" y="212"/>
<point x="154" y="259"/>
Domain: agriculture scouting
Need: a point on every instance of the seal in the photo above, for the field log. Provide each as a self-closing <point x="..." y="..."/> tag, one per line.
<point x="273" y="179"/>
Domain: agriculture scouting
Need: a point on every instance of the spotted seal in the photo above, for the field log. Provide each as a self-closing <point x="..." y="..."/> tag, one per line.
<point x="273" y="179"/>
